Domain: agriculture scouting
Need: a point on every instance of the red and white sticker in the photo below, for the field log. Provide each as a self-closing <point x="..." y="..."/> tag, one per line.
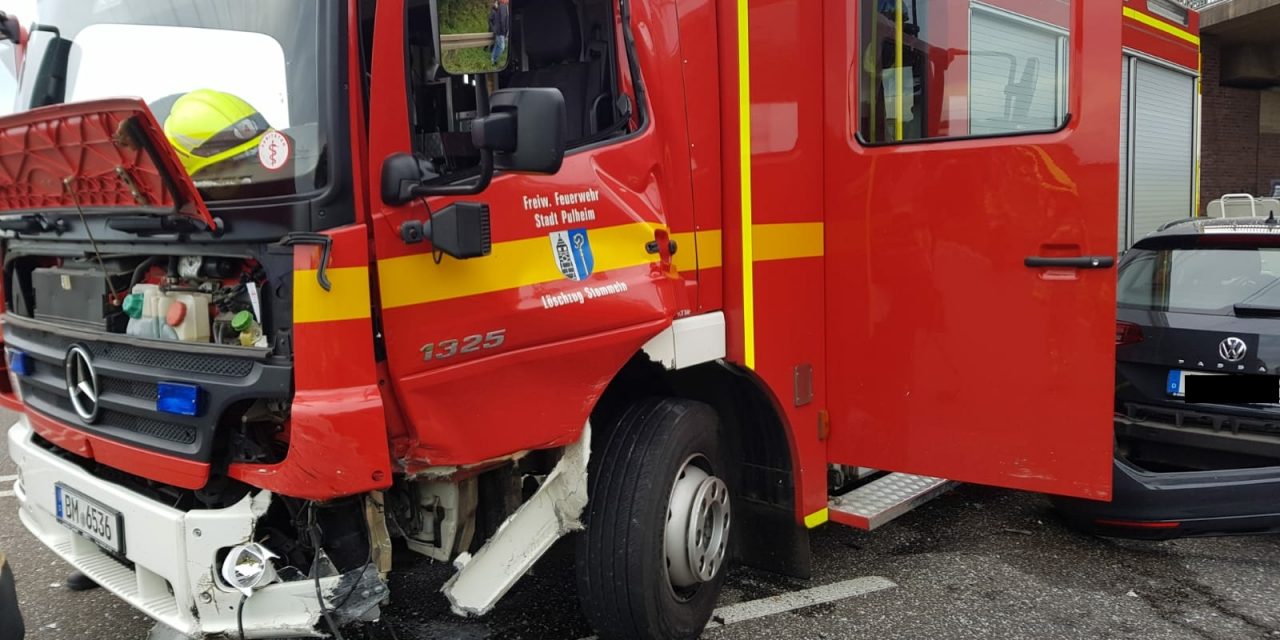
<point x="273" y="150"/>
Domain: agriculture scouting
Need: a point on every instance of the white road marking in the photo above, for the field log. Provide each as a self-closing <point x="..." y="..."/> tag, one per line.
<point x="784" y="602"/>
<point x="6" y="494"/>
<point x="8" y="478"/>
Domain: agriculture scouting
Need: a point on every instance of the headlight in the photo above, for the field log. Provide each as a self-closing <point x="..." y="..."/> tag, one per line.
<point x="248" y="567"/>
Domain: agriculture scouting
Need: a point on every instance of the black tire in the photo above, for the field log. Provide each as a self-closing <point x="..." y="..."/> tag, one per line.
<point x="622" y="574"/>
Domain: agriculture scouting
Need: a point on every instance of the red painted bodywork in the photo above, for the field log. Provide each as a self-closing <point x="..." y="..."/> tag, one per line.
<point x="947" y="356"/>
<point x="178" y="472"/>
<point x="934" y="349"/>
<point x="76" y="155"/>
<point x="337" y="429"/>
<point x="538" y="390"/>
<point x="1147" y="40"/>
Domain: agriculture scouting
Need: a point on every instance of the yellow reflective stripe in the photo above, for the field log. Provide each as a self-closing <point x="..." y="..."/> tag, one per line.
<point x="416" y="279"/>
<point x="697" y="250"/>
<point x="788" y="241"/>
<point x="898" y="123"/>
<point x="817" y="518"/>
<point x="744" y="169"/>
<point x="347" y="299"/>
<point x="1156" y="23"/>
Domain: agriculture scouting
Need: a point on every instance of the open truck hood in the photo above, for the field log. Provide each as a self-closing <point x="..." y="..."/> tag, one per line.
<point x="99" y="156"/>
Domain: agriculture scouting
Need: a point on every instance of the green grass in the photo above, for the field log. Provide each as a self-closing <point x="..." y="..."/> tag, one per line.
<point x="467" y="16"/>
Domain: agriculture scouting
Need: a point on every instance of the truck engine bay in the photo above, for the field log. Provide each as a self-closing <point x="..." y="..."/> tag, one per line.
<point x="191" y="298"/>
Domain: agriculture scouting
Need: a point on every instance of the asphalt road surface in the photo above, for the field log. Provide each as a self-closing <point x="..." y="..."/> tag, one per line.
<point x="975" y="563"/>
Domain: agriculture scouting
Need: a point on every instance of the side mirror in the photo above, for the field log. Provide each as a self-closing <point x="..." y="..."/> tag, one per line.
<point x="522" y="131"/>
<point x="402" y="177"/>
<point x="525" y="129"/>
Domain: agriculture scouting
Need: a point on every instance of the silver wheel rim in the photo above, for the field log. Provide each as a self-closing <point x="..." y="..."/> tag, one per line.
<point x="696" y="540"/>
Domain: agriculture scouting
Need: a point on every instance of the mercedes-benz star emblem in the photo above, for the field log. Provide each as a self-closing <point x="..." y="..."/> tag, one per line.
<point x="82" y="383"/>
<point x="1232" y="349"/>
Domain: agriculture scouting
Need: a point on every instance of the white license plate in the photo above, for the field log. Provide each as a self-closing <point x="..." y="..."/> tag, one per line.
<point x="1176" y="384"/>
<point x="90" y="518"/>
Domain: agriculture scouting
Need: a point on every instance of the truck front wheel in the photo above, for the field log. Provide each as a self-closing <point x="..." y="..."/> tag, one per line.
<point x="652" y="559"/>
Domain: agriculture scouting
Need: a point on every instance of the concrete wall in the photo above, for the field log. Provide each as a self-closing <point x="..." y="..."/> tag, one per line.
<point x="1236" y="155"/>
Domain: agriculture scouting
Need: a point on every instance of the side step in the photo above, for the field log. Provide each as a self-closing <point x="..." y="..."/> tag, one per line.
<point x="882" y="500"/>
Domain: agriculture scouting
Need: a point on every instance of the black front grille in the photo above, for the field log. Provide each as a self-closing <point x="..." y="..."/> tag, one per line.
<point x="156" y="358"/>
<point x="132" y="388"/>
<point x="172" y="360"/>
<point x="59" y="407"/>
<point x="163" y="430"/>
<point x="127" y="375"/>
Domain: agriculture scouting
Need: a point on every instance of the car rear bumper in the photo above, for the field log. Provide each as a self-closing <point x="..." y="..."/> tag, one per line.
<point x="1169" y="505"/>
<point x="171" y="554"/>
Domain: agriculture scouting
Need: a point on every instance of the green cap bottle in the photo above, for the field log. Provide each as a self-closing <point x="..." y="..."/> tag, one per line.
<point x="133" y="305"/>
<point x="242" y="321"/>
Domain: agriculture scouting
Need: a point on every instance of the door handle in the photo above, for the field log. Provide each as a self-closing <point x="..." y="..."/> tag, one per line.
<point x="1076" y="262"/>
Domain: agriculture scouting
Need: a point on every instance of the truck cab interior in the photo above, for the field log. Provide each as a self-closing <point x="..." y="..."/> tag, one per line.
<point x="569" y="45"/>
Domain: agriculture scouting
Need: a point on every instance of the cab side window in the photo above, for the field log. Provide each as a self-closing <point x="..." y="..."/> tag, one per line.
<point x="569" y="45"/>
<point x="932" y="69"/>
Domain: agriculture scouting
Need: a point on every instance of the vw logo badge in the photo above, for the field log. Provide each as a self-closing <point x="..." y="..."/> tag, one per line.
<point x="1232" y="349"/>
<point x="82" y="383"/>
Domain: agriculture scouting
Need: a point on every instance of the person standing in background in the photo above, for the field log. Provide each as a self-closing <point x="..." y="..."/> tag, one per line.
<point x="500" y="27"/>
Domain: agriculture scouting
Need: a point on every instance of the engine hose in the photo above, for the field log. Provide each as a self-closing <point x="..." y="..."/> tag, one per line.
<point x="140" y="271"/>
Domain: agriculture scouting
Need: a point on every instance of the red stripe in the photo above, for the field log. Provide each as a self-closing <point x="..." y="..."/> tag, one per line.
<point x="1137" y="524"/>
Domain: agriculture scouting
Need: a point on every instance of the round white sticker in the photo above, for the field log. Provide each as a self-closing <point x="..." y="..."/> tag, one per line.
<point x="273" y="150"/>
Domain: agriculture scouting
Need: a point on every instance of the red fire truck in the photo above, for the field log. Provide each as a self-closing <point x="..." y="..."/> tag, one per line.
<point x="674" y="274"/>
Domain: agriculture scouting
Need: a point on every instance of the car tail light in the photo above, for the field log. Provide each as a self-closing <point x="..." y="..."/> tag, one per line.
<point x="1127" y="333"/>
<point x="1137" y="524"/>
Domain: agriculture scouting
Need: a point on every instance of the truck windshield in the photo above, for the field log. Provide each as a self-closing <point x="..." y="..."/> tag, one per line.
<point x="234" y="83"/>
<point x="1207" y="281"/>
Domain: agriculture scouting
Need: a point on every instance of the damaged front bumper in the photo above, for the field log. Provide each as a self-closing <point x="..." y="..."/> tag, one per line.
<point x="169" y="566"/>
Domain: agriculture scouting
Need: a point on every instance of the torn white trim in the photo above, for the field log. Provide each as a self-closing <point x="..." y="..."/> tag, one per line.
<point x="689" y="342"/>
<point x="552" y="512"/>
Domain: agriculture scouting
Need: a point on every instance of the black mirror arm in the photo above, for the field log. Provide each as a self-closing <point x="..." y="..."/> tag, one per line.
<point x="471" y="188"/>
<point x="486" y="158"/>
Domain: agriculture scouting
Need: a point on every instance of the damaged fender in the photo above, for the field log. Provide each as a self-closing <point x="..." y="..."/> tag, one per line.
<point x="552" y="512"/>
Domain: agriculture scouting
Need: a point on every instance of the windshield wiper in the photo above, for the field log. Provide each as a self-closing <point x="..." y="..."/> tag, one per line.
<point x="1256" y="310"/>
<point x="145" y="225"/>
<point x="33" y="223"/>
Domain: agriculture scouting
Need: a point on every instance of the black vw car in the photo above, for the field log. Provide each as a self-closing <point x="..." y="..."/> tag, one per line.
<point x="1197" y="405"/>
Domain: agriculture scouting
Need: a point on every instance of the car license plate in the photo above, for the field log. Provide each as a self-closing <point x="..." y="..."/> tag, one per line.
<point x="1177" y="382"/>
<point x="90" y="518"/>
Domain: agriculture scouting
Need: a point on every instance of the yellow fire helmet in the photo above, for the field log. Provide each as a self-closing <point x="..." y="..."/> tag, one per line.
<point x="207" y="127"/>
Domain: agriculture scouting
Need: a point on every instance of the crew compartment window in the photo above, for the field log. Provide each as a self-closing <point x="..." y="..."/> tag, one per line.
<point x="932" y="69"/>
<point x="570" y="45"/>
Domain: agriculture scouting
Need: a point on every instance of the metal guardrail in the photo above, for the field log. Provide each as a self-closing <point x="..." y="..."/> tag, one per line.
<point x="465" y="41"/>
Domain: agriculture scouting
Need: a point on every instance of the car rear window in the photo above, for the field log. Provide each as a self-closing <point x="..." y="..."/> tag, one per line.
<point x="1201" y="280"/>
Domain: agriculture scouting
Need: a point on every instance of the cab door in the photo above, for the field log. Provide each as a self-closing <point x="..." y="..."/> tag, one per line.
<point x="971" y="199"/>
<point x="508" y="352"/>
